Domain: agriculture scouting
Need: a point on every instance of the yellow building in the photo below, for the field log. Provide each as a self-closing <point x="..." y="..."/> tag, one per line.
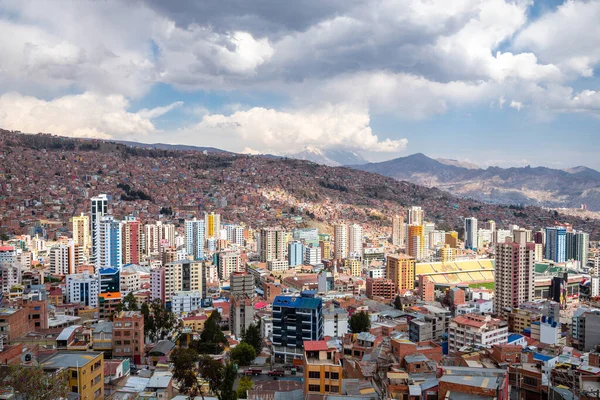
<point x="325" y="246"/>
<point x="322" y="368"/>
<point x="354" y="266"/>
<point x="81" y="232"/>
<point x="85" y="371"/>
<point x="447" y="254"/>
<point x="401" y="270"/>
<point x="416" y="241"/>
<point x="195" y="323"/>
<point x="519" y="320"/>
<point x="213" y="224"/>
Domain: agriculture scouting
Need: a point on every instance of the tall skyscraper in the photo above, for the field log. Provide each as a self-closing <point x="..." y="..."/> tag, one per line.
<point x="581" y="245"/>
<point x="400" y="269"/>
<point x="212" y="223"/>
<point x="428" y="227"/>
<point x="556" y="244"/>
<point x="514" y="274"/>
<point x="166" y="235"/>
<point x="194" y="238"/>
<point x="416" y="242"/>
<point x="81" y="232"/>
<point x="131" y="241"/>
<point x="471" y="233"/>
<point x="398" y="230"/>
<point x="62" y="258"/>
<point x="355" y="238"/>
<point x="295" y="253"/>
<point x="340" y="241"/>
<point x="109" y="243"/>
<point x="272" y="244"/>
<point x="151" y="238"/>
<point x="415" y="216"/>
<point x="235" y="234"/>
<point x="99" y="208"/>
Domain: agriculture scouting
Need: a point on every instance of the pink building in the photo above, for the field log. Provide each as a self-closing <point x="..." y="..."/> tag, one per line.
<point x="157" y="284"/>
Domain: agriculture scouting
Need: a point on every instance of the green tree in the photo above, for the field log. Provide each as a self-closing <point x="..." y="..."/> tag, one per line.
<point x="220" y="377"/>
<point x="243" y="387"/>
<point x="398" y="303"/>
<point x="253" y="338"/>
<point x="129" y="303"/>
<point x="33" y="383"/>
<point x="360" y="322"/>
<point x="243" y="354"/>
<point x="184" y="370"/>
<point x="160" y="321"/>
<point x="212" y="340"/>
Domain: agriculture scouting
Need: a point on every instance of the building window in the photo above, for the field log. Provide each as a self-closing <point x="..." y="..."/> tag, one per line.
<point x="327" y="388"/>
<point x="335" y="375"/>
<point x="74" y="374"/>
<point x="335" y="389"/>
<point x="326" y="375"/>
<point x="314" y="374"/>
<point x="530" y="381"/>
<point x="74" y="389"/>
<point x="314" y="388"/>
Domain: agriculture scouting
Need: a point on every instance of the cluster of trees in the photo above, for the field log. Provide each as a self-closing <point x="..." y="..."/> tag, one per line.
<point x="34" y="384"/>
<point x="132" y="195"/>
<point x="360" y="322"/>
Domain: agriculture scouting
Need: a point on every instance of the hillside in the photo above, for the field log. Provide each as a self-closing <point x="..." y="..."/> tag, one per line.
<point x="48" y="178"/>
<point x="527" y="186"/>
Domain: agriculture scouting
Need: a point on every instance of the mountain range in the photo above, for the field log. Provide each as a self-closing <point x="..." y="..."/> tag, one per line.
<point x="538" y="186"/>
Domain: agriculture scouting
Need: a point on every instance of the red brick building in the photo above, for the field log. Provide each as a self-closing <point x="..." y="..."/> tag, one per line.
<point x="128" y="335"/>
<point x="381" y="288"/>
<point x="14" y="323"/>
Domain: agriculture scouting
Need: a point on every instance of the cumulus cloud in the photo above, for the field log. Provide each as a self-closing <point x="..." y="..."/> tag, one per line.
<point x="86" y="115"/>
<point x="281" y="132"/>
<point x="517" y="105"/>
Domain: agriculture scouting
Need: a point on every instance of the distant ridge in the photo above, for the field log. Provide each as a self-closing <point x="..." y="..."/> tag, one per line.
<point x="165" y="146"/>
<point x="538" y="186"/>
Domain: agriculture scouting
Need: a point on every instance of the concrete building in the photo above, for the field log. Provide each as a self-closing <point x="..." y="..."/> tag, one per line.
<point x="107" y="304"/>
<point x="416" y="242"/>
<point x="10" y="275"/>
<point x="194" y="238"/>
<point x="108" y="243"/>
<point x="83" y="289"/>
<point x="228" y="262"/>
<point x="415" y="216"/>
<point x="377" y="288"/>
<point x="400" y="269"/>
<point x="546" y="331"/>
<point x="272" y="244"/>
<point x="241" y="283"/>
<point x="340" y="241"/>
<point x="110" y="280"/>
<point x="241" y="314"/>
<point x="476" y="330"/>
<point x="64" y="258"/>
<point x="514" y="275"/>
<point x="355" y="239"/>
<point x="13" y="323"/>
<point x="212" y="223"/>
<point x="312" y="255"/>
<point x="325" y="246"/>
<point x="426" y="289"/>
<point x="556" y="244"/>
<point x="322" y="369"/>
<point x="131" y="241"/>
<point x="99" y="208"/>
<point x="353" y="266"/>
<point x="128" y="336"/>
<point x="235" y="234"/>
<point x="585" y="334"/>
<point x="186" y="302"/>
<point x="308" y="236"/>
<point x="81" y="232"/>
<point x="398" y="230"/>
<point x="295" y="253"/>
<point x="335" y="321"/>
<point x="295" y="320"/>
<point x="85" y="372"/>
<point x="178" y="276"/>
<point x="471" y="233"/>
<point x="157" y="284"/>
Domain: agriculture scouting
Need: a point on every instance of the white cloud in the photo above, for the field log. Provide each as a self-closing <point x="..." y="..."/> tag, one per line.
<point x="517" y="105"/>
<point x="281" y="132"/>
<point x="85" y="115"/>
<point x="501" y="101"/>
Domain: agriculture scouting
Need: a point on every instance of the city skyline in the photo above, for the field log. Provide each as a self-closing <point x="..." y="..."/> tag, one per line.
<point x="385" y="79"/>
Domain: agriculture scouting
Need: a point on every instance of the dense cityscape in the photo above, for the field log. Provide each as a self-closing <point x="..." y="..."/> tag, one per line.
<point x="147" y="297"/>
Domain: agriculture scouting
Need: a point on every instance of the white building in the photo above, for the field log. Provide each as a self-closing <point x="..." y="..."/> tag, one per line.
<point x="83" y="289"/>
<point x="99" y="208"/>
<point x="398" y="230"/>
<point x="312" y="255"/>
<point x="340" y="239"/>
<point x="335" y="321"/>
<point x="277" y="265"/>
<point x="355" y="238"/>
<point x="10" y="275"/>
<point x="415" y="216"/>
<point x="476" y="330"/>
<point x="376" y="272"/>
<point x="272" y="244"/>
<point x="228" y="262"/>
<point x="194" y="238"/>
<point x="595" y="286"/>
<point x="235" y="234"/>
<point x="130" y="281"/>
<point x="108" y="243"/>
<point x="62" y="259"/>
<point x="186" y="302"/>
<point x="8" y="254"/>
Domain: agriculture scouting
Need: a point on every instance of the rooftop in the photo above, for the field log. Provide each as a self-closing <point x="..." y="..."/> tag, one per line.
<point x="64" y="335"/>
<point x="315" y="345"/>
<point x="70" y="359"/>
<point x="297" y="302"/>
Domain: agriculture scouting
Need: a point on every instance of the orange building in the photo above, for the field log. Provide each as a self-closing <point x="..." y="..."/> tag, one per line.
<point x="400" y="269"/>
<point x="322" y="368"/>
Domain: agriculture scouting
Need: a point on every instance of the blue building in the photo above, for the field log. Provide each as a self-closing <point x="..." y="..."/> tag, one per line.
<point x="110" y="280"/>
<point x="556" y="244"/>
<point x="295" y="254"/>
<point x="296" y="319"/>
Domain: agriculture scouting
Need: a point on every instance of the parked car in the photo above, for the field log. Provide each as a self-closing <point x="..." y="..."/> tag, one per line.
<point x="277" y="372"/>
<point x="253" y="371"/>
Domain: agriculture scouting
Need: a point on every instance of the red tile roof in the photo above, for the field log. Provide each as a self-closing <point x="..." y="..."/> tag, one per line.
<point x="315" y="345"/>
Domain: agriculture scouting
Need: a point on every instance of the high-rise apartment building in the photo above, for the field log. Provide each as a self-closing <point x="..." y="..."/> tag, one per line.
<point x="178" y="276"/>
<point x="400" y="269"/>
<point x="556" y="244"/>
<point x="353" y="266"/>
<point x="581" y="248"/>
<point x="312" y="255"/>
<point x="228" y="262"/>
<point x="415" y="216"/>
<point x="235" y="234"/>
<point x="471" y="233"/>
<point x="99" y="208"/>
<point x="340" y="241"/>
<point x="212" y="223"/>
<point x="325" y="246"/>
<point x="241" y="314"/>
<point x="194" y="238"/>
<point x="151" y="239"/>
<point x="307" y="236"/>
<point x="355" y="238"/>
<point x="131" y="241"/>
<point x="108" y="243"/>
<point x="398" y="230"/>
<point x="295" y="253"/>
<point x="81" y="232"/>
<point x="272" y="244"/>
<point x="295" y="320"/>
<point x="64" y="258"/>
<point x="416" y="242"/>
<point x="514" y="275"/>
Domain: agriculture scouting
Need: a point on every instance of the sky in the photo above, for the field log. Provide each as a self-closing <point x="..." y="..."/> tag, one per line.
<point x="492" y="82"/>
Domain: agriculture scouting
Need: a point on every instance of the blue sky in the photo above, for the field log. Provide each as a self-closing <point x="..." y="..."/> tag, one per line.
<point x="493" y="82"/>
